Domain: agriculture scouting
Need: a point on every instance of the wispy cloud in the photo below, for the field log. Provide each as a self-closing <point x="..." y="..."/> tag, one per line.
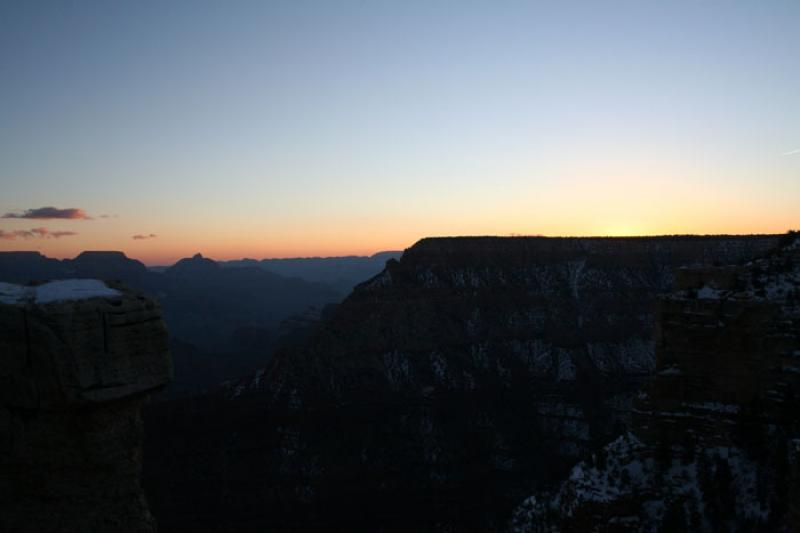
<point x="792" y="152"/>
<point x="49" y="213"/>
<point x="59" y="234"/>
<point x="139" y="237"/>
<point x="34" y="233"/>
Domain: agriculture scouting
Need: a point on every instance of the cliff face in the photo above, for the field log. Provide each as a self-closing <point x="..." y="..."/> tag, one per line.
<point x="78" y="359"/>
<point x="714" y="442"/>
<point x="441" y="387"/>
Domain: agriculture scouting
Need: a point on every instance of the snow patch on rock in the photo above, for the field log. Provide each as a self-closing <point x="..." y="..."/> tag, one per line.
<point x="55" y="291"/>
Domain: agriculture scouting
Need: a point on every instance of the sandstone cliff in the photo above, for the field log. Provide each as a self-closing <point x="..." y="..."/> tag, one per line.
<point x="78" y="359"/>
<point x="439" y="389"/>
<point x="714" y="441"/>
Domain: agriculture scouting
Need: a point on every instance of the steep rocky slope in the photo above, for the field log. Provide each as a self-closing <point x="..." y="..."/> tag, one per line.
<point x="438" y="390"/>
<point x="715" y="441"/>
<point x="78" y="360"/>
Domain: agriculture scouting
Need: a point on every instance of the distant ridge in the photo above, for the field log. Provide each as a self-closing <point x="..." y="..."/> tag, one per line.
<point x="343" y="272"/>
<point x="205" y="307"/>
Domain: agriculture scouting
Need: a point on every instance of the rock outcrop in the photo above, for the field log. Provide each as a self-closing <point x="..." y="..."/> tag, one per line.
<point x="78" y="360"/>
<point x="440" y="388"/>
<point x="714" y="440"/>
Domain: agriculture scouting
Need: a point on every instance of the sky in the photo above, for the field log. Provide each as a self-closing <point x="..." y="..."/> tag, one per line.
<point x="277" y="129"/>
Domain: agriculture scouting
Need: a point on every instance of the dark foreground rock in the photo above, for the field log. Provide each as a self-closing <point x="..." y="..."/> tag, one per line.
<point x="78" y="360"/>
<point x="436" y="395"/>
<point x="715" y="440"/>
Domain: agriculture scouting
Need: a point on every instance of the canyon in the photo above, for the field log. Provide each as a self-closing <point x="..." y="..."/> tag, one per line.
<point x="527" y="383"/>
<point x="438" y="395"/>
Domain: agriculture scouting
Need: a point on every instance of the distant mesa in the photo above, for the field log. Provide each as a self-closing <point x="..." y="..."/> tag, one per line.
<point x="103" y="256"/>
<point x="107" y="265"/>
<point x="22" y="267"/>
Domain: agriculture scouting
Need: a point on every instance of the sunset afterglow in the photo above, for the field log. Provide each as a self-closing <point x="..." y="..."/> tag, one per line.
<point x="349" y="128"/>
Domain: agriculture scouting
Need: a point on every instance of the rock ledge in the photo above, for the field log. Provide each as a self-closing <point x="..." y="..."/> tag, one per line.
<point x="78" y="359"/>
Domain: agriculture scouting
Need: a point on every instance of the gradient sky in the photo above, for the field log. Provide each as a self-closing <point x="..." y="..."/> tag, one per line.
<point x="268" y="129"/>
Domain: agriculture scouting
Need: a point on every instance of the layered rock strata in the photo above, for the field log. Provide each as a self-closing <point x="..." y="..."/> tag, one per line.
<point x="78" y="360"/>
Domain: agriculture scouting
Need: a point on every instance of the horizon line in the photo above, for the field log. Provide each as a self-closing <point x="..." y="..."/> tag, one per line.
<point x="151" y="264"/>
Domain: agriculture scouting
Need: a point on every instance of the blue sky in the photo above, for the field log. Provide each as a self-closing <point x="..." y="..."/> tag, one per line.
<point x="303" y="128"/>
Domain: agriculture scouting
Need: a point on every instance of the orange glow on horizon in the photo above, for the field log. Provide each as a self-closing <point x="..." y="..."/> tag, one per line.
<point x="168" y="251"/>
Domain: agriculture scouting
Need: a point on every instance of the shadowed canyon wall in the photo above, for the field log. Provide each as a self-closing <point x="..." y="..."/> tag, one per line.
<point x="439" y="394"/>
<point x="715" y="439"/>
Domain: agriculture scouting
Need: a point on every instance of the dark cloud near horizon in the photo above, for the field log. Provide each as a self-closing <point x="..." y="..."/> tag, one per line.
<point x="139" y="237"/>
<point x="34" y="233"/>
<point x="59" y="234"/>
<point x="49" y="213"/>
